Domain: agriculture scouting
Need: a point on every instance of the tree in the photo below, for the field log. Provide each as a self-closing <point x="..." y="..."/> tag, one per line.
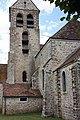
<point x="69" y="7"/>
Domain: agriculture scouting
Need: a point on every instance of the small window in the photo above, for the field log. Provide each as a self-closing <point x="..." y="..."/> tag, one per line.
<point x="24" y="4"/>
<point x="24" y="76"/>
<point x="30" y="21"/>
<point x="25" y="35"/>
<point x="25" y="51"/>
<point x="43" y="78"/>
<point x="25" y="43"/>
<point x="64" y="81"/>
<point x="19" y="20"/>
<point x="23" y="99"/>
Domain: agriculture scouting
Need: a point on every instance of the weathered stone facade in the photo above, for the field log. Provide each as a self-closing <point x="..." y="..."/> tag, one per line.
<point x="24" y="45"/>
<point x="40" y="77"/>
<point x="14" y="105"/>
<point x="19" y="62"/>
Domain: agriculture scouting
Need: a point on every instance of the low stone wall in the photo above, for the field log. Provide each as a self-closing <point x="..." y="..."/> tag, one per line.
<point x="14" y="105"/>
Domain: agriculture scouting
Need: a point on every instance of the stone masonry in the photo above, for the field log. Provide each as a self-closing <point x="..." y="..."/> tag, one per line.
<point x="40" y="78"/>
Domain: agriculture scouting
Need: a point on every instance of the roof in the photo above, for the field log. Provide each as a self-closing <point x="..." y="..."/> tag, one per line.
<point x="16" y="90"/>
<point x="70" y="31"/>
<point x="73" y="57"/>
<point x="29" y="5"/>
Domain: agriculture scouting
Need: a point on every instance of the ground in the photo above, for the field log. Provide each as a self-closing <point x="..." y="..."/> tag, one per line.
<point x="30" y="116"/>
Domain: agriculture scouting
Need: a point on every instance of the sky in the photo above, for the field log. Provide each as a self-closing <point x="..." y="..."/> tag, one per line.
<point x="49" y="22"/>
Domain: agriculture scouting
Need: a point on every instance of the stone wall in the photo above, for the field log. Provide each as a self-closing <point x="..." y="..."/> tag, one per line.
<point x="50" y="95"/>
<point x="35" y="84"/>
<point x="40" y="60"/>
<point x="13" y="105"/>
<point x="43" y="55"/>
<point x="68" y="97"/>
<point x="61" y="49"/>
<point x="23" y="62"/>
<point x="76" y="90"/>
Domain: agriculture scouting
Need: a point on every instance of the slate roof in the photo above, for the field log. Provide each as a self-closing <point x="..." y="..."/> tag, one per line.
<point x="70" y="31"/>
<point x="16" y="90"/>
<point x="70" y="59"/>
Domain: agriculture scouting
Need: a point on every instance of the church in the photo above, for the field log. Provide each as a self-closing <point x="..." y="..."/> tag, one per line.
<point x="40" y="78"/>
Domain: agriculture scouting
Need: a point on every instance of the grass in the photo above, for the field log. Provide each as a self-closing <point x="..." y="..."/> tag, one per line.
<point x="29" y="116"/>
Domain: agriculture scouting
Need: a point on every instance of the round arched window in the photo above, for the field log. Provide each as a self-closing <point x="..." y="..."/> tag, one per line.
<point x="19" y="20"/>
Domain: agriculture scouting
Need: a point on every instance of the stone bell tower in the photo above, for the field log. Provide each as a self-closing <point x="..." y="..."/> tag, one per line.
<point x="24" y="41"/>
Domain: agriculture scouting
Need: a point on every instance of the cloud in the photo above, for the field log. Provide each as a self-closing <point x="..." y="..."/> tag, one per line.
<point x="4" y="35"/>
<point x="52" y="25"/>
<point x="44" y="6"/>
<point x="42" y="27"/>
<point x="3" y="57"/>
<point x="44" y="37"/>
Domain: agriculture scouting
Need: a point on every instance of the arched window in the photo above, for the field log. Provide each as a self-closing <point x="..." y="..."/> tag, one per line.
<point x="19" y="20"/>
<point x="25" y="43"/>
<point x="64" y="81"/>
<point x="30" y="21"/>
<point x="24" y="76"/>
<point x="43" y="78"/>
<point x="25" y="35"/>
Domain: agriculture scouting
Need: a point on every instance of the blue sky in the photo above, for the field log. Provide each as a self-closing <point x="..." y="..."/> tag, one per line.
<point x="49" y="23"/>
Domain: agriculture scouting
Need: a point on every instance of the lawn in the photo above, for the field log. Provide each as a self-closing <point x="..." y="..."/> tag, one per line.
<point x="29" y="116"/>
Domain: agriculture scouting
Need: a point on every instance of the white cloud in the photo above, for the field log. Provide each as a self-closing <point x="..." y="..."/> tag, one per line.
<point x="3" y="57"/>
<point x="44" y="5"/>
<point x="44" y="37"/>
<point x="4" y="36"/>
<point x="46" y="34"/>
<point x="52" y="25"/>
<point x="42" y="27"/>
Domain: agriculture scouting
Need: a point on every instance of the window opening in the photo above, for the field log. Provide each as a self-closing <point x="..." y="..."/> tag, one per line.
<point x="30" y="21"/>
<point x="23" y="99"/>
<point x="24" y="75"/>
<point x="25" y="51"/>
<point x="25" y="36"/>
<point x="19" y="20"/>
<point x="25" y="43"/>
<point x="64" y="81"/>
<point x="43" y="78"/>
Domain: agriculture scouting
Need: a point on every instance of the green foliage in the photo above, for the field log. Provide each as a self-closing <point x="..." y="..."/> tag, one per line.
<point x="69" y="7"/>
<point x="29" y="116"/>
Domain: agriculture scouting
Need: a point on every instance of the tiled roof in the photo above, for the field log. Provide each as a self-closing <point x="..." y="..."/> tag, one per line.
<point x="70" y="31"/>
<point x="16" y="90"/>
